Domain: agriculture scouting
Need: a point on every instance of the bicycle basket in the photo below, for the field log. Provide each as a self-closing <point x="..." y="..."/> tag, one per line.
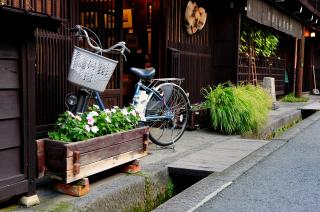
<point x="90" y="70"/>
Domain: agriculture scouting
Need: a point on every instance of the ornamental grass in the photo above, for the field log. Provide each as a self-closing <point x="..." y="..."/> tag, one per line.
<point x="237" y="109"/>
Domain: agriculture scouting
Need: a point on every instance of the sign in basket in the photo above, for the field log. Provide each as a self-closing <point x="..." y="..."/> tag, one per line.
<point x="90" y="70"/>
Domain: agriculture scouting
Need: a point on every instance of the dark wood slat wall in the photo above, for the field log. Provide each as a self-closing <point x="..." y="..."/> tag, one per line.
<point x="17" y="114"/>
<point x="196" y="51"/>
<point x="51" y="7"/>
<point x="10" y="111"/>
<point x="53" y="55"/>
<point x="226" y="45"/>
<point x="53" y="51"/>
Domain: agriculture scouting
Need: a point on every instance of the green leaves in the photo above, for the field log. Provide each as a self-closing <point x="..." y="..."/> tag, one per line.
<point x="262" y="41"/>
<point x="94" y="123"/>
<point x="292" y="98"/>
<point x="237" y="109"/>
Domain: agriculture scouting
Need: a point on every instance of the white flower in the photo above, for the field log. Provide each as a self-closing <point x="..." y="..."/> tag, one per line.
<point x="87" y="128"/>
<point x="78" y="118"/>
<point x="107" y="111"/>
<point x="133" y="112"/>
<point x="116" y="107"/>
<point x="108" y="119"/>
<point x="96" y="107"/>
<point x="70" y="114"/>
<point x="94" y="129"/>
<point x="124" y="112"/>
<point x="113" y="110"/>
<point x="92" y="114"/>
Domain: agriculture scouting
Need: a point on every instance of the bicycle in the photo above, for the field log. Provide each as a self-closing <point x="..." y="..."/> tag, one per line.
<point x="161" y="103"/>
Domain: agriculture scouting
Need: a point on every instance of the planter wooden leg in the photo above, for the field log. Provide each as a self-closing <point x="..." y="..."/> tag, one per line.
<point x="132" y="167"/>
<point x="41" y="158"/>
<point x="78" y="188"/>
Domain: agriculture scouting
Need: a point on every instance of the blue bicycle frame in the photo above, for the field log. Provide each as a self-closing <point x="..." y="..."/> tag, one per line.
<point x="98" y="100"/>
<point x="140" y="86"/>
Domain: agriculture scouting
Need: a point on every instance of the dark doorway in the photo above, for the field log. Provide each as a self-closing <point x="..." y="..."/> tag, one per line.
<point x="137" y="23"/>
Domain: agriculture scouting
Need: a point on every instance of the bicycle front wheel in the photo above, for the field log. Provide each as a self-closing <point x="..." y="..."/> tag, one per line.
<point x="172" y="110"/>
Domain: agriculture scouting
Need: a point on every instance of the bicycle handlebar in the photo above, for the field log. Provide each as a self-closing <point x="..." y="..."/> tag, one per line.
<point x="119" y="47"/>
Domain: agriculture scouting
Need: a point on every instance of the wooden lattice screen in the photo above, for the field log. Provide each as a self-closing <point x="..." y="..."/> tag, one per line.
<point x="53" y="50"/>
<point x="271" y="67"/>
<point x="50" y="7"/>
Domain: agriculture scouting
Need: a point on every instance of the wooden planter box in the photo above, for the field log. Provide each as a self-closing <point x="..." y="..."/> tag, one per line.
<point x="69" y="162"/>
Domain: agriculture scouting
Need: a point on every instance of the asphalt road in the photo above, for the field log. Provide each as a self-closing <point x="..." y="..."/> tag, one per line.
<point x="287" y="180"/>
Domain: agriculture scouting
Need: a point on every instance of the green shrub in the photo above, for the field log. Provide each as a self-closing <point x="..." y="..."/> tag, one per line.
<point x="237" y="109"/>
<point x="291" y="98"/>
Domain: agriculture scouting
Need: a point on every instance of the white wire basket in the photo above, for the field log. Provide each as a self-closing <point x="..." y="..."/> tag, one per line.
<point x="90" y="70"/>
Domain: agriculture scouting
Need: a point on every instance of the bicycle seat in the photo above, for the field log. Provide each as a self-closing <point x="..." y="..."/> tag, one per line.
<point x="147" y="73"/>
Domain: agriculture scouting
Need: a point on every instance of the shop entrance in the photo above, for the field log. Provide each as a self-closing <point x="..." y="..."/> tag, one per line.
<point x="104" y="17"/>
<point x="114" y="21"/>
<point x="137" y="34"/>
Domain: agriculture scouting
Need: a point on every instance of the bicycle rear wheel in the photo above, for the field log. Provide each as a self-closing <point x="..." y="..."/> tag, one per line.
<point x="174" y="103"/>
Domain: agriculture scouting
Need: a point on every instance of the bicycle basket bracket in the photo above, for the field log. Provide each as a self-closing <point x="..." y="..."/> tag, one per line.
<point x="90" y="70"/>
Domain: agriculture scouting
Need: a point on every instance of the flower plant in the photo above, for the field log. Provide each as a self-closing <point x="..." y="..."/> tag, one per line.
<point x="94" y="123"/>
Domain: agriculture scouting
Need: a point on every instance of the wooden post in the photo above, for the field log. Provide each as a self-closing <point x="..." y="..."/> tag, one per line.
<point x="295" y="65"/>
<point x="29" y="121"/>
<point x="300" y="66"/>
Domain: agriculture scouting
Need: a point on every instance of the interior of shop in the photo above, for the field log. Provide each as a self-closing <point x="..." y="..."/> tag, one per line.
<point x="103" y="18"/>
<point x="137" y="34"/>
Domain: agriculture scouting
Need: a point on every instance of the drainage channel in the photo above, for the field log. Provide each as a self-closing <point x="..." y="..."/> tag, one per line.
<point x="309" y="109"/>
<point x="183" y="178"/>
<point x="306" y="113"/>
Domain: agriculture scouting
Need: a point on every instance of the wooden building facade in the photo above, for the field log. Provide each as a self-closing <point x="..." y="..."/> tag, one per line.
<point x="17" y="99"/>
<point x="155" y="32"/>
<point x="208" y="57"/>
<point x="293" y="22"/>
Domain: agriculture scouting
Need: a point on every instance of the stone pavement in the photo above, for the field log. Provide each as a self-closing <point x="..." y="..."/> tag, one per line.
<point x="287" y="180"/>
<point x="115" y="191"/>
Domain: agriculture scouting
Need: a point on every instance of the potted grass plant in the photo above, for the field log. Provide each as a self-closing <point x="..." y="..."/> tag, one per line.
<point x="237" y="109"/>
<point x="88" y="143"/>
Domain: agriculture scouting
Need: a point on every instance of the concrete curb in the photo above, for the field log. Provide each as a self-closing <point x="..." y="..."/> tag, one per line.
<point x="272" y="127"/>
<point x="199" y="193"/>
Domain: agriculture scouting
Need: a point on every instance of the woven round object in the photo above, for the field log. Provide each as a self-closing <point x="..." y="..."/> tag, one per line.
<point x="90" y="70"/>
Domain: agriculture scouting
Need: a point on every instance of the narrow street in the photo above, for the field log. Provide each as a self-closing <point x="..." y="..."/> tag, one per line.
<point x="288" y="180"/>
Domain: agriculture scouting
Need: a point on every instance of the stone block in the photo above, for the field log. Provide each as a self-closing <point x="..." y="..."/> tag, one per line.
<point x="78" y="188"/>
<point x="132" y="167"/>
<point x="269" y="84"/>
<point x="30" y="201"/>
